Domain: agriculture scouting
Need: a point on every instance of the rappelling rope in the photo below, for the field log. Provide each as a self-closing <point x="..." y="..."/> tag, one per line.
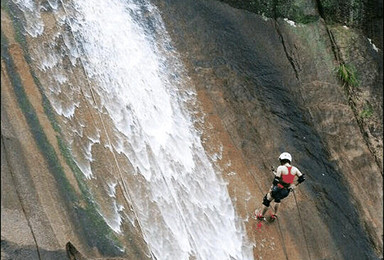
<point x="278" y="223"/>
<point x="301" y="224"/>
<point x="282" y="239"/>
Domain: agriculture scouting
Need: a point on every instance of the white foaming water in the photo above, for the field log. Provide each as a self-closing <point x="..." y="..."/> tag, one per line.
<point x="182" y="205"/>
<point x="33" y="24"/>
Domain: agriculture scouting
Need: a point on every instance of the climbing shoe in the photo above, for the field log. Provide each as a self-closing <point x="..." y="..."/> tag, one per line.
<point x="260" y="217"/>
<point x="273" y="217"/>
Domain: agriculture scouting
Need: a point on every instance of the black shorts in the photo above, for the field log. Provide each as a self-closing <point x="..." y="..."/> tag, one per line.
<point x="279" y="193"/>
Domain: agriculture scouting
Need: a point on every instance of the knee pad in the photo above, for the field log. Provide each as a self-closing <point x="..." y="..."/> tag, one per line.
<point x="266" y="202"/>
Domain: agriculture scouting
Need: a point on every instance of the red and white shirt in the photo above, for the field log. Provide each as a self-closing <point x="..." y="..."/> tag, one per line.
<point x="287" y="173"/>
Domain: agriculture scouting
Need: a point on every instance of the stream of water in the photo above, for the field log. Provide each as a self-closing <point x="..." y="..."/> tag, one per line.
<point x="136" y="84"/>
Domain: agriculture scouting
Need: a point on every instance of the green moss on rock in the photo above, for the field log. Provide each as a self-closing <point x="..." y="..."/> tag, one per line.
<point x="94" y="228"/>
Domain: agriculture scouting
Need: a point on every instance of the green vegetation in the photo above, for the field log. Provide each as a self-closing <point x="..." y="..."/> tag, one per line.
<point x="351" y="13"/>
<point x="305" y="19"/>
<point x="4" y="6"/>
<point x="295" y="10"/>
<point x="367" y="111"/>
<point x="255" y="6"/>
<point x="347" y="74"/>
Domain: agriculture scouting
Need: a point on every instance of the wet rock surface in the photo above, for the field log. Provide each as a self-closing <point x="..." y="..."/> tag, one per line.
<point x="264" y="86"/>
<point x="274" y="87"/>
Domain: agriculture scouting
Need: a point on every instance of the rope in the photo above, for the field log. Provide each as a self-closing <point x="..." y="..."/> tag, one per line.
<point x="282" y="239"/>
<point x="279" y="227"/>
<point x="301" y="223"/>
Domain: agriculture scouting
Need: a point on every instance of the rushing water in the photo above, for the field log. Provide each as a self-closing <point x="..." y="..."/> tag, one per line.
<point x="142" y="99"/>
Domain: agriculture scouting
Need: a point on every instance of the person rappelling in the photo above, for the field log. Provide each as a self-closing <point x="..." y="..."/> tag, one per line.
<point x="282" y="184"/>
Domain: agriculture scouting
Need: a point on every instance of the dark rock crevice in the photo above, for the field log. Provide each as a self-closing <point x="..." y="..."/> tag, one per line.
<point x="289" y="57"/>
<point x="320" y="8"/>
<point x="73" y="253"/>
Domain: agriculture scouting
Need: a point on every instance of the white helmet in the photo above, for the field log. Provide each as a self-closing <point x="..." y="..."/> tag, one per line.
<point x="285" y="156"/>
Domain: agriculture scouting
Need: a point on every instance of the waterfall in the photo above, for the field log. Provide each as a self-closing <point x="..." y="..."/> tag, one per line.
<point x="112" y="75"/>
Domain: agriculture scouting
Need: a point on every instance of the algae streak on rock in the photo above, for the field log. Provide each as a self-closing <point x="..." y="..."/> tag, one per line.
<point x="124" y="114"/>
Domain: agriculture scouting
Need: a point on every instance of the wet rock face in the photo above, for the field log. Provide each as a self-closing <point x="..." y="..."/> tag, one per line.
<point x="274" y="87"/>
<point x="13" y="251"/>
<point x="41" y="204"/>
<point x="264" y="86"/>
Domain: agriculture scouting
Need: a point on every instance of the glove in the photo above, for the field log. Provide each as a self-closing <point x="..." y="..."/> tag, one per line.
<point x="275" y="181"/>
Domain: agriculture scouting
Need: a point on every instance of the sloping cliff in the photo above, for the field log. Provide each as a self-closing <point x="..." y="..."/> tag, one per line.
<point x="274" y="87"/>
<point x="263" y="86"/>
